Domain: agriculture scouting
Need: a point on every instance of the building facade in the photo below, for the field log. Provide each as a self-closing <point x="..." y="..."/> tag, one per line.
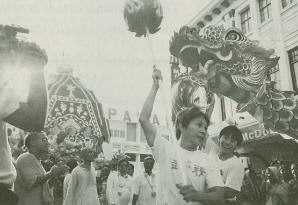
<point x="128" y="137"/>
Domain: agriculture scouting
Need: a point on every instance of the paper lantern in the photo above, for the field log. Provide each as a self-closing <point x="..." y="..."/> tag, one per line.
<point x="142" y="14"/>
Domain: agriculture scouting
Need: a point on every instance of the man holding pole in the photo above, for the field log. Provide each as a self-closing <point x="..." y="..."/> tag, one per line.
<point x="185" y="173"/>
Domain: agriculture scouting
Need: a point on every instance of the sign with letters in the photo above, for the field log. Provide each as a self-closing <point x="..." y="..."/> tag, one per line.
<point x="126" y="116"/>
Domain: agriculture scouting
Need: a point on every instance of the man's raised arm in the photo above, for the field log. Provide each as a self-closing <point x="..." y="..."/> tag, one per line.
<point x="144" y="119"/>
<point x="31" y="115"/>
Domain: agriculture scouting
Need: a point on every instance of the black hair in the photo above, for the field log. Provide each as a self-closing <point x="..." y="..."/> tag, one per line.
<point x="72" y="163"/>
<point x="123" y="160"/>
<point x="133" y="166"/>
<point x="31" y="136"/>
<point x="232" y="129"/>
<point x="185" y="116"/>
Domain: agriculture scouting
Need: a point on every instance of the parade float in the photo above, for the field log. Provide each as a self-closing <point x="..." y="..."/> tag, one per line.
<point x="74" y="113"/>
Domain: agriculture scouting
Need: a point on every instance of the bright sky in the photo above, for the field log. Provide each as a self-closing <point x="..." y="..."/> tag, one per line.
<point x="95" y="41"/>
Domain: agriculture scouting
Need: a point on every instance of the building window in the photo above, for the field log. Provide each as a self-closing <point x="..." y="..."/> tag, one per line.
<point x="293" y="58"/>
<point x="265" y="9"/>
<point x="117" y="133"/>
<point x="245" y="21"/>
<point x="274" y="75"/>
<point x="131" y="132"/>
<point x="285" y="3"/>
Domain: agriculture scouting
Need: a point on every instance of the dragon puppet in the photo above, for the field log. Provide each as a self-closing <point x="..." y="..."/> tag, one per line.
<point x="235" y="67"/>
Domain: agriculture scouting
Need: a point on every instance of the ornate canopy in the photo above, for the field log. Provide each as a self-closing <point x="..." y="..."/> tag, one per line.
<point x="75" y="109"/>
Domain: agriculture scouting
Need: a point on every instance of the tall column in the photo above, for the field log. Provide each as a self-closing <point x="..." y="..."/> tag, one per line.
<point x="255" y="19"/>
<point x="280" y="49"/>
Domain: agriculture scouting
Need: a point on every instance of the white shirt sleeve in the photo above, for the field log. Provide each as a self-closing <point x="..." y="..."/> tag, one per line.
<point x="160" y="146"/>
<point x="235" y="176"/>
<point x="213" y="178"/>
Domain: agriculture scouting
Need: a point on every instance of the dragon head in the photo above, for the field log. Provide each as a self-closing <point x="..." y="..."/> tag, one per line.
<point x="229" y="48"/>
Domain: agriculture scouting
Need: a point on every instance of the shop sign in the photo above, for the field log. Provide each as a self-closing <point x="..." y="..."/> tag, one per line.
<point x="254" y="132"/>
<point x="126" y="116"/>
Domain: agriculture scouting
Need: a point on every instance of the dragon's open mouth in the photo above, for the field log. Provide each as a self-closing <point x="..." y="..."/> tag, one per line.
<point x="192" y="55"/>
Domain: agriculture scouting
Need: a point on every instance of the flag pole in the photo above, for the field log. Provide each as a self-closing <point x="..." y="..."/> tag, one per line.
<point x="169" y="124"/>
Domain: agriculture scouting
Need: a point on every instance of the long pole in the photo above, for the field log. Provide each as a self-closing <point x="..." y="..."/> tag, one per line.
<point x="173" y="138"/>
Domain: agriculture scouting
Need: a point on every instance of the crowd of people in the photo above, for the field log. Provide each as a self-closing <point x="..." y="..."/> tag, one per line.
<point x="214" y="178"/>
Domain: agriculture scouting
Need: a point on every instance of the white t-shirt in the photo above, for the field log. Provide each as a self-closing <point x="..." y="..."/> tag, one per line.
<point x="200" y="169"/>
<point x="119" y="189"/>
<point x="232" y="172"/>
<point x="144" y="186"/>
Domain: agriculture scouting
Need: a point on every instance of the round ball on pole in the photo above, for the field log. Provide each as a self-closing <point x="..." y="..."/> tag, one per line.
<point x="140" y="15"/>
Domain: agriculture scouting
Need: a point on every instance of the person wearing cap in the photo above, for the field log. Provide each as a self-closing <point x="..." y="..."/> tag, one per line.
<point x="119" y="185"/>
<point x="231" y="168"/>
<point x="202" y="182"/>
<point x="144" y="185"/>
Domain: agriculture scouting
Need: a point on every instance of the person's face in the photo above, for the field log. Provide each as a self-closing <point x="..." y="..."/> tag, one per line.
<point x="195" y="132"/>
<point x="270" y="175"/>
<point x="130" y="170"/>
<point x="88" y="155"/>
<point x="123" y="166"/>
<point x="227" y="144"/>
<point x="98" y="165"/>
<point x="148" y="165"/>
<point x="41" y="143"/>
<point x="105" y="171"/>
